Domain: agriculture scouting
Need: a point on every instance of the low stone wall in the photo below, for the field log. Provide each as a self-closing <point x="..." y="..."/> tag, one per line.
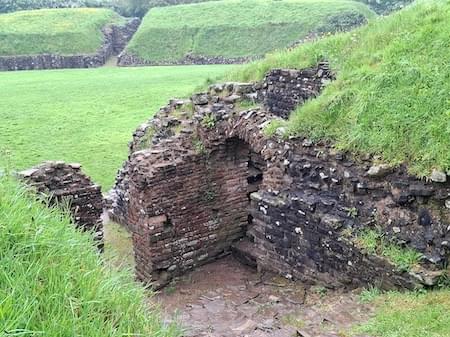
<point x="127" y="59"/>
<point x="115" y="40"/>
<point x="123" y="34"/>
<point x="66" y="183"/>
<point x="284" y="89"/>
<point x="305" y="206"/>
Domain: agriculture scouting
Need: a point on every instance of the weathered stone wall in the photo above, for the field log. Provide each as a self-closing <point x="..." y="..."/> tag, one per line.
<point x="66" y="183"/>
<point x="123" y="34"/>
<point x="115" y="40"/>
<point x="309" y="203"/>
<point x="126" y="59"/>
<point x="188" y="210"/>
<point x="284" y="89"/>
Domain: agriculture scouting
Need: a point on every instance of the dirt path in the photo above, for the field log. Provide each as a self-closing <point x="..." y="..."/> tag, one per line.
<point x="227" y="299"/>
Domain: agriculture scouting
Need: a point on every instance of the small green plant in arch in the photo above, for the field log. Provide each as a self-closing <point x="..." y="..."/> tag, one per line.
<point x="146" y="140"/>
<point x="247" y="104"/>
<point x="209" y="195"/>
<point x="199" y="147"/>
<point x="209" y="121"/>
<point x="352" y="212"/>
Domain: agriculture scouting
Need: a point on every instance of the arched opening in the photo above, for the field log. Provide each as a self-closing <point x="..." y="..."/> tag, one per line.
<point x="195" y="211"/>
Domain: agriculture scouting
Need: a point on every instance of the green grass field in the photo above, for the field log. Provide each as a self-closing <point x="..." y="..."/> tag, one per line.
<point x="413" y="314"/>
<point x="54" y="283"/>
<point x="57" y="31"/>
<point x="390" y="97"/>
<point x="234" y="28"/>
<point x="86" y="116"/>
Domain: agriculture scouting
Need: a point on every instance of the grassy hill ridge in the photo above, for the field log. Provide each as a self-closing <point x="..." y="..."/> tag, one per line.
<point x="390" y="97"/>
<point x="54" y="31"/>
<point x="236" y="28"/>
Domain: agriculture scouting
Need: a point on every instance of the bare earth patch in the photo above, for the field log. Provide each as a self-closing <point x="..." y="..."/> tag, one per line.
<point x="226" y="298"/>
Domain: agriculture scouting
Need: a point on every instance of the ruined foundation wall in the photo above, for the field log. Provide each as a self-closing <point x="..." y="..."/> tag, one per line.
<point x="129" y="60"/>
<point x="285" y="89"/>
<point x="66" y="183"/>
<point x="187" y="211"/>
<point x="304" y="217"/>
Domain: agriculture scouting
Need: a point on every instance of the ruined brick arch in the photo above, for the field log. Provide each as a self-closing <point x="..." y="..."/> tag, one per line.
<point x="184" y="193"/>
<point x="192" y="211"/>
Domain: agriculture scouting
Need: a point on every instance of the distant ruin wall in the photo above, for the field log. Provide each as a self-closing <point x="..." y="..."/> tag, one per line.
<point x="115" y="39"/>
<point x="285" y="89"/>
<point x="305" y="203"/>
<point x="126" y="59"/>
<point x="66" y="183"/>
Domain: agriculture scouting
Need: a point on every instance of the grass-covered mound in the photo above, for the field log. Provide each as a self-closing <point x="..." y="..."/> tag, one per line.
<point x="86" y="115"/>
<point x="391" y="95"/>
<point x="236" y="28"/>
<point x="53" y="282"/>
<point x="54" y="31"/>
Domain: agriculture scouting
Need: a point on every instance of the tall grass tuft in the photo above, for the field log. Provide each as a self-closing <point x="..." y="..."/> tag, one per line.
<point x="54" y="283"/>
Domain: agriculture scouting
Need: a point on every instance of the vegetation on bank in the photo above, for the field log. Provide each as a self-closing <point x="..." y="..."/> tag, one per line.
<point x="373" y="242"/>
<point x="54" y="31"/>
<point x="238" y="28"/>
<point x="86" y="115"/>
<point x="390" y="97"/>
<point x="141" y="7"/>
<point x="413" y="314"/>
<point x="54" y="283"/>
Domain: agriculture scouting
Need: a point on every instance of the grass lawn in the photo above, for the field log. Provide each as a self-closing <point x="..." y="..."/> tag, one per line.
<point x="391" y="95"/>
<point x="86" y="116"/>
<point x="235" y="28"/>
<point x="414" y="314"/>
<point x="59" y="31"/>
<point x="54" y="283"/>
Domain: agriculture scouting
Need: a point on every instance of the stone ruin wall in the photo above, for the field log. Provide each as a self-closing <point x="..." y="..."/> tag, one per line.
<point x="66" y="183"/>
<point x="126" y="59"/>
<point x="187" y="193"/>
<point x="115" y="40"/>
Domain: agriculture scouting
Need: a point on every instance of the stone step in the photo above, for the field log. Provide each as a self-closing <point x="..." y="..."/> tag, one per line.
<point x="245" y="252"/>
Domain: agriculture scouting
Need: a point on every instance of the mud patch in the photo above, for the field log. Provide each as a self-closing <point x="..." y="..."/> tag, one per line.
<point x="226" y="298"/>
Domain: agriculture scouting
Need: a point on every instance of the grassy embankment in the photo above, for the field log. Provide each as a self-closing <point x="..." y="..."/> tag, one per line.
<point x="236" y="28"/>
<point x="54" y="31"/>
<point x="54" y="283"/>
<point x="86" y="116"/>
<point x="390" y="97"/>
